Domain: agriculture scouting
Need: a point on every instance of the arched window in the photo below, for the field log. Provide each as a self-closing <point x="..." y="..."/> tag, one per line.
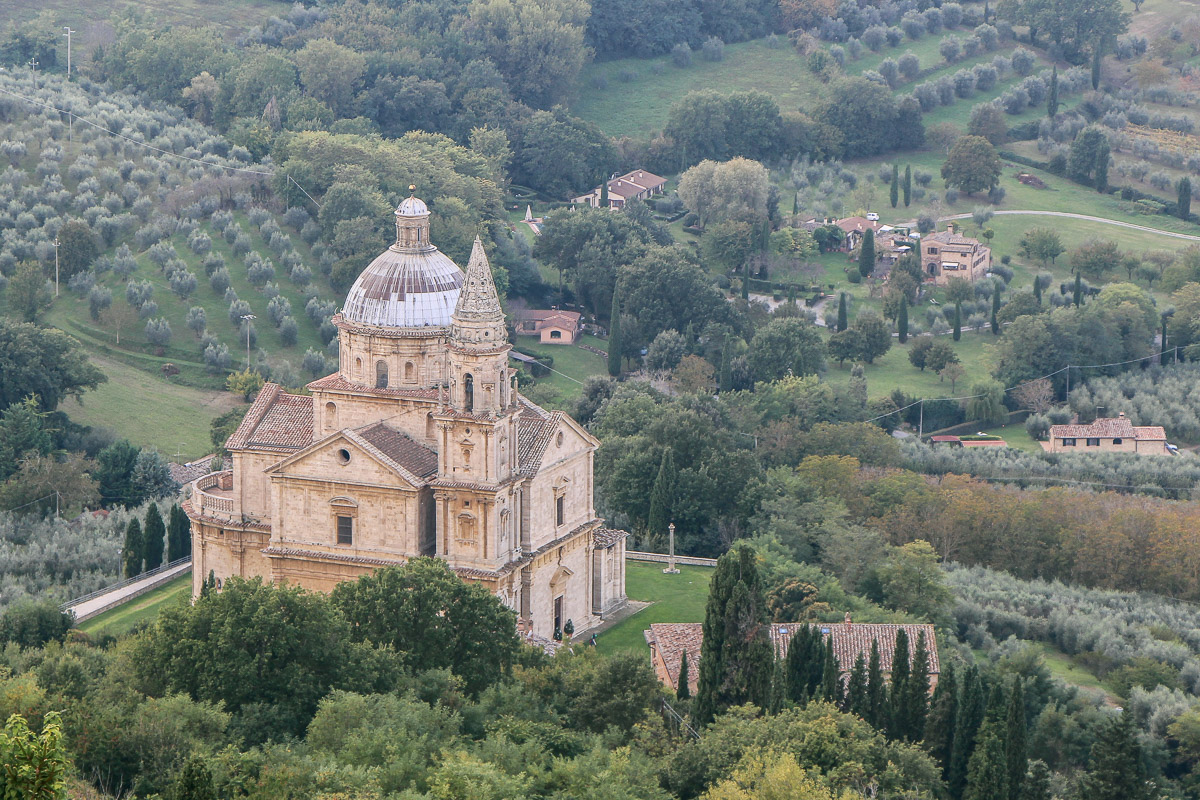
<point x="469" y="392"/>
<point x="331" y="415"/>
<point x="381" y="371"/>
<point x="358" y="369"/>
<point x="409" y="371"/>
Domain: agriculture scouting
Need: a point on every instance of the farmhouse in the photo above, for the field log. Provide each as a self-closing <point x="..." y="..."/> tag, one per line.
<point x="551" y="326"/>
<point x="947" y="255"/>
<point x="668" y="641"/>
<point x="419" y="445"/>
<point x="1109" y="435"/>
<point x="635" y="185"/>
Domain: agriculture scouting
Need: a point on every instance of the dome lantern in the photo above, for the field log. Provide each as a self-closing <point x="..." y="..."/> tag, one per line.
<point x="412" y="222"/>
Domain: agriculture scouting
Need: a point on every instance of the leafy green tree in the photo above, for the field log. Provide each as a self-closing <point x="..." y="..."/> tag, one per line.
<point x="151" y="478"/>
<point x="35" y="624"/>
<point x="738" y="189"/>
<point x="987" y="404"/>
<point x="330" y="72"/>
<point x="912" y="580"/>
<point x="907" y="184"/>
<point x="866" y="254"/>
<point x="1116" y="769"/>
<point x="987" y="770"/>
<point x="867" y="116"/>
<point x="847" y="344"/>
<point x="968" y="718"/>
<point x="114" y="472"/>
<point x="728" y="244"/>
<point x="1036" y="784"/>
<point x="77" y="248"/>
<point x="195" y="782"/>
<point x="179" y="534"/>
<point x="939" y="726"/>
<point x="132" y="551"/>
<point x="662" y="498"/>
<point x="22" y="430"/>
<point x="153" y="534"/>
<point x="876" y="335"/>
<point x="1043" y="244"/>
<point x="614" y="337"/>
<point x="972" y="165"/>
<point x="995" y="312"/>
<point x="939" y="354"/>
<point x="28" y="294"/>
<point x="433" y="620"/>
<point x="856" y="687"/>
<point x="1183" y="203"/>
<point x="842" y="322"/>
<point x="786" y="346"/>
<point x="33" y="766"/>
<point x="1015" y="734"/>
<point x="1082" y="158"/>
<point x="736" y="662"/>
<point x="804" y="665"/>
<point x="831" y="685"/>
<point x="902" y="320"/>
<point x="725" y="383"/>
<point x="918" y="352"/>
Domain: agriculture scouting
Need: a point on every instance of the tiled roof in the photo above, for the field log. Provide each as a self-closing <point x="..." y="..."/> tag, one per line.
<point x="413" y="456"/>
<point x="1102" y="428"/>
<point x="276" y="421"/>
<point x="1149" y="433"/>
<point x="321" y="555"/>
<point x="849" y="639"/>
<point x="534" y="429"/>
<point x="186" y="473"/>
<point x="337" y="383"/>
<point x="607" y="537"/>
<point x="856" y="224"/>
<point x="949" y="238"/>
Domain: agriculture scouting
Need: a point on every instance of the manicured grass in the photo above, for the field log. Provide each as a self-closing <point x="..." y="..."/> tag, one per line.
<point x="151" y="411"/>
<point x="675" y="598"/>
<point x="572" y="367"/>
<point x="894" y="371"/>
<point x="1015" y="436"/>
<point x="146" y="608"/>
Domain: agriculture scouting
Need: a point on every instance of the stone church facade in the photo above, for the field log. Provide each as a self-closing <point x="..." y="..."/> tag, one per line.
<point x="419" y="445"/>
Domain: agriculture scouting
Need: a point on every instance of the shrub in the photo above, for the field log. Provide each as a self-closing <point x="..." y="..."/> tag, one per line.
<point x="681" y="55"/>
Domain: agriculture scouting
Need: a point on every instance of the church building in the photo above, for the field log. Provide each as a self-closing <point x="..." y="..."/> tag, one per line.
<point x="419" y="445"/>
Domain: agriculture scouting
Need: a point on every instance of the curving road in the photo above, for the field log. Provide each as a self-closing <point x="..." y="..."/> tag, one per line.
<point x="1089" y="218"/>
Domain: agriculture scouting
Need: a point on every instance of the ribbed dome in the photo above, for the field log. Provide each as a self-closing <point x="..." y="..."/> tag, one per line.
<point x="406" y="288"/>
<point x="412" y="207"/>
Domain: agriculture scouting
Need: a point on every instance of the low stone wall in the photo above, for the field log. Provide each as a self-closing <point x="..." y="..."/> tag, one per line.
<point x="662" y="558"/>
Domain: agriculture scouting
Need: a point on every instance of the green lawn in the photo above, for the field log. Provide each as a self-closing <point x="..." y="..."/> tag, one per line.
<point x="146" y="608"/>
<point x="675" y="598"/>
<point x="168" y="416"/>
<point x="893" y="370"/>
<point x="1015" y="436"/>
<point x="572" y="367"/>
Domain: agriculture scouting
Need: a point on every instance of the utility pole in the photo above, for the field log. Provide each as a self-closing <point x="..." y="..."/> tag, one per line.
<point x="68" y="35"/>
<point x="56" y="266"/>
<point x="33" y="65"/>
<point x="249" y="320"/>
<point x="671" y="568"/>
<point x="921" y="424"/>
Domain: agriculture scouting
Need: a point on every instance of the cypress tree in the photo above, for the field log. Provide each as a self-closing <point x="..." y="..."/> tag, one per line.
<point x="662" y="498"/>
<point x="195" y="783"/>
<point x="916" y="695"/>
<point x="1037" y="782"/>
<point x="1014" y="740"/>
<point x="726" y="380"/>
<point x="1078" y="290"/>
<point x="968" y="718"/>
<point x="1116" y="771"/>
<point x="1162" y="356"/>
<point x="907" y="184"/>
<point x="179" y="534"/>
<point x="795" y="204"/>
<point x="1102" y="152"/>
<point x="132" y="550"/>
<point x="683" y="691"/>
<point x="1183" y="201"/>
<point x="996" y="311"/>
<point x="876" y="692"/>
<point x="614" y="336"/>
<point x="987" y="773"/>
<point x="895" y="187"/>
<point x="604" y="193"/>
<point x="1052" y="95"/>
<point x="902" y="320"/>
<point x="939" y="726"/>
<point x="866" y="254"/>
<point x="736" y="660"/>
<point x="856" y="687"/>
<point x="796" y="667"/>
<point x="153" y="537"/>
<point x="957" y="320"/>
<point x="831" y="684"/>
<point x="1096" y="56"/>
<point x="745" y="283"/>
<point x="1037" y="289"/>
<point x="842" y="322"/>
<point x="898" y="691"/>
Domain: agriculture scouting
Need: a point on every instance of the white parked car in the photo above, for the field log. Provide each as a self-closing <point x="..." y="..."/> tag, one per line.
<point x="872" y="216"/>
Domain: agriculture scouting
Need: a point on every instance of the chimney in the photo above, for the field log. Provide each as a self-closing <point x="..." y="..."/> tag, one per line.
<point x="848" y="622"/>
<point x="1121" y="415"/>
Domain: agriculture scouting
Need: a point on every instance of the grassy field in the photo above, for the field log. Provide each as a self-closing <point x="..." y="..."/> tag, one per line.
<point x="1015" y="436"/>
<point x="572" y="367"/>
<point x="675" y="598"/>
<point x="125" y="618"/>
<point x="173" y="418"/>
<point x="893" y="370"/>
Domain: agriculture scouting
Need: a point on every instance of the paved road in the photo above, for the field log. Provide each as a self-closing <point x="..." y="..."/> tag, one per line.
<point x="1089" y="218"/>
<point x="95" y="605"/>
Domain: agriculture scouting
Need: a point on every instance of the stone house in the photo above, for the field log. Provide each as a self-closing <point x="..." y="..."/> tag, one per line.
<point x="946" y="255"/>
<point x="419" y="445"/>
<point x="1109" y="435"/>
<point x="636" y="185"/>
<point x="669" y="640"/>
<point x="551" y="326"/>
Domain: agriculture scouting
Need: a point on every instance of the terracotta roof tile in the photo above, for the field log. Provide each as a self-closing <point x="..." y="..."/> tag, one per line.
<point x="336" y="382"/>
<point x="276" y="421"/>
<point x="1149" y="432"/>
<point x="670" y="640"/>
<point x="607" y="537"/>
<point x="1103" y="428"/>
<point x="405" y="451"/>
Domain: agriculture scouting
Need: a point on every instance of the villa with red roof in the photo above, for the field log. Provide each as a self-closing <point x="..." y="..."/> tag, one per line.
<point x="636" y="185"/>
<point x="1109" y="435"/>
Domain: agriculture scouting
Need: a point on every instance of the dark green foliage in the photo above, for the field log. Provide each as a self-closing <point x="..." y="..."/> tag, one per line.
<point x="1183" y="202"/>
<point x="1116" y="771"/>
<point x="1101" y="172"/>
<point x="34" y="624"/>
<point x="996" y="311"/>
<point x="897" y="722"/>
<point x="614" y="337"/>
<point x="195" y="783"/>
<point x="1097" y="55"/>
<point x="856" y="687"/>
<point x="153" y="536"/>
<point x="831" y="685"/>
<point x="133" y="549"/>
<point x="842" y="321"/>
<point x="915" y="705"/>
<point x="894" y="188"/>
<point x="968" y="718"/>
<point x="683" y="690"/>
<point x="1052" y="95"/>
<point x="1036" y="785"/>
<point x="957" y="320"/>
<point x="662" y="498"/>
<point x="736" y="662"/>
<point x="1077" y="295"/>
<point x="1082" y="161"/>
<point x="939" y="726"/>
<point x="987" y="773"/>
<point x="866" y="254"/>
<point x="1017" y="759"/>
<point x="902" y="321"/>
<point x="907" y="184"/>
<point x="876" y="708"/>
<point x="42" y="362"/>
<point x="726" y="378"/>
<point x="805" y="665"/>
<point x="22" y="431"/>
<point x="1162" y="356"/>
<point x="179" y="534"/>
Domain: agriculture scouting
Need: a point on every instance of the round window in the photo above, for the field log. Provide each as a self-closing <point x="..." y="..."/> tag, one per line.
<point x="343" y="456"/>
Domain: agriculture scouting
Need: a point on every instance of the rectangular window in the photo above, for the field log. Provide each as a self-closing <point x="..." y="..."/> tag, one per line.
<point x="933" y="251"/>
<point x="1068" y="442"/>
<point x="345" y="530"/>
<point x="1093" y="442"/>
<point x="560" y="512"/>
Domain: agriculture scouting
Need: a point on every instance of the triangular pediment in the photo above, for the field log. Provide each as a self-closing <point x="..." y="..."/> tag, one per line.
<point x="346" y="456"/>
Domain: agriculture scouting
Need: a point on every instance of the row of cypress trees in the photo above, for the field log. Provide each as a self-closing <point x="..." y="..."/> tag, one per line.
<point x="143" y="547"/>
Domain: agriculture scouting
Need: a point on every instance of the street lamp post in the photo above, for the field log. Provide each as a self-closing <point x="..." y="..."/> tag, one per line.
<point x="56" y="266"/>
<point x="671" y="568"/>
<point x="249" y="320"/>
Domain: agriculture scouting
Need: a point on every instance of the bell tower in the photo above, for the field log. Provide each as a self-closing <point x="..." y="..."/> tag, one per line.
<point x="476" y="491"/>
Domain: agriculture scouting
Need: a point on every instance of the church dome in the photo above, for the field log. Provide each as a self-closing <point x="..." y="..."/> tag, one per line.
<point x="412" y="284"/>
